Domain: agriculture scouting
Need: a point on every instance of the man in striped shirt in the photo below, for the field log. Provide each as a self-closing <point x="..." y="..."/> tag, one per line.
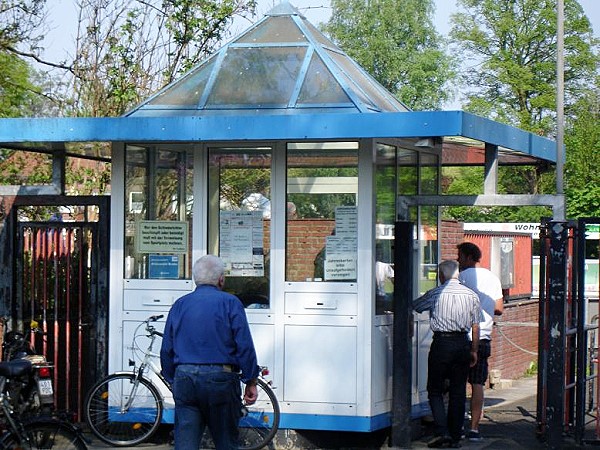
<point x="453" y="310"/>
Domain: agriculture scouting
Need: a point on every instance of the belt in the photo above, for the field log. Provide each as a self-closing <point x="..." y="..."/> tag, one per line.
<point x="449" y="333"/>
<point x="225" y="367"/>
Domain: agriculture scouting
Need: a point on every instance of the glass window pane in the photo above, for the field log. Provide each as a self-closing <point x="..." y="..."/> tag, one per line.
<point x="322" y="187"/>
<point x="158" y="212"/>
<point x="407" y="172"/>
<point x="251" y="76"/>
<point x="320" y="86"/>
<point x="378" y="97"/>
<point x="186" y="92"/>
<point x="239" y="214"/>
<point x="428" y="239"/>
<point x="276" y="29"/>
<point x="385" y="185"/>
<point x="429" y="173"/>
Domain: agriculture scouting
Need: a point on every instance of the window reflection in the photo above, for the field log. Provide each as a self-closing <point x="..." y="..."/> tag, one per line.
<point x="385" y="213"/>
<point x="322" y="186"/>
<point x="239" y="214"/>
<point x="158" y="211"/>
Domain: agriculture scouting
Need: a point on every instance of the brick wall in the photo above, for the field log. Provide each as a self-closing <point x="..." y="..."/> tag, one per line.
<point x="515" y="344"/>
<point x="306" y="239"/>
<point x="451" y="234"/>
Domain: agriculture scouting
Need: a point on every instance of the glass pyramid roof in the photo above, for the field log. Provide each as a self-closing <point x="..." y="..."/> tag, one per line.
<point x="280" y="65"/>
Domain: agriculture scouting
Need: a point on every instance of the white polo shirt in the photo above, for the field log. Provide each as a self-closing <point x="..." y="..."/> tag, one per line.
<point x="488" y="287"/>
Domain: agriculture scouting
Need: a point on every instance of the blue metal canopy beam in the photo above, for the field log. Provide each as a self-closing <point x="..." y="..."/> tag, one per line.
<point x="276" y="127"/>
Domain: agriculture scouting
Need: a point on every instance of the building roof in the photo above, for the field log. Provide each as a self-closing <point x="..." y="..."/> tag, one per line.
<point x="280" y="65"/>
<point x="281" y="79"/>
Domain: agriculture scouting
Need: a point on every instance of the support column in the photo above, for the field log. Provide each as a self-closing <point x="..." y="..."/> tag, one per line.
<point x="556" y="334"/>
<point x="403" y="335"/>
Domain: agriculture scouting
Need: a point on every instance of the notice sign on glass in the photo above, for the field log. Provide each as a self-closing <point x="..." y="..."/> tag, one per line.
<point x="241" y="243"/>
<point x="163" y="266"/>
<point x="340" y="250"/>
<point x="162" y="236"/>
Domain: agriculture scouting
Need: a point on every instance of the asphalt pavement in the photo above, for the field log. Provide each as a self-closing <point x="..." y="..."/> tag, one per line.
<point x="509" y="423"/>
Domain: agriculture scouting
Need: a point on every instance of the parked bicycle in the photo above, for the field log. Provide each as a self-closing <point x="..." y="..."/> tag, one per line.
<point x="126" y="408"/>
<point x="39" y="433"/>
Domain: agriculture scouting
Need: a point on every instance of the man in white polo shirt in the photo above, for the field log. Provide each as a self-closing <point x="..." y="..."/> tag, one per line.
<point x="489" y="289"/>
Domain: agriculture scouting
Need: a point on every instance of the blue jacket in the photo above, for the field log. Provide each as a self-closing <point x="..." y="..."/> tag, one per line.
<point x="208" y="326"/>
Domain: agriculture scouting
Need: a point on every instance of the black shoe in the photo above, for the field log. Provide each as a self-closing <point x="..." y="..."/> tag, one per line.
<point x="439" y="442"/>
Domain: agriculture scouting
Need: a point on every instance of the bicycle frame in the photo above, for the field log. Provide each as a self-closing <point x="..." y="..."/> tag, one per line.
<point x="147" y="363"/>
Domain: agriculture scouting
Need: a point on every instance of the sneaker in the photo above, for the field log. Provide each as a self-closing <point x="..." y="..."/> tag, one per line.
<point x="474" y="436"/>
<point x="439" y="442"/>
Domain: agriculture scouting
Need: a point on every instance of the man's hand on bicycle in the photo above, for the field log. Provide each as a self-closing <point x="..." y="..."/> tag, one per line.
<point x="250" y="393"/>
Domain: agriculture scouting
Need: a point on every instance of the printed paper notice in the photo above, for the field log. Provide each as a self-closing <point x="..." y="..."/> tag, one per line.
<point x="341" y="268"/>
<point x="241" y="243"/>
<point x="162" y="236"/>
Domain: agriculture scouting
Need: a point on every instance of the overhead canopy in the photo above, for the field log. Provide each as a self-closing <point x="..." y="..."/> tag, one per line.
<point x="281" y="79"/>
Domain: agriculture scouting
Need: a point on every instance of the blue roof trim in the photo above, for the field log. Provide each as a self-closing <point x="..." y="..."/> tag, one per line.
<point x="276" y="127"/>
<point x="508" y="136"/>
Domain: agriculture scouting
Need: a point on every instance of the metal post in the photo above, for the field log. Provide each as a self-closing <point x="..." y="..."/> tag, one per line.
<point x="559" y="213"/>
<point x="557" y="339"/>
<point x="402" y="343"/>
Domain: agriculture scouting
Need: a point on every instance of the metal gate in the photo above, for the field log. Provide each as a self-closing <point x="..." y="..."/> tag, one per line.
<point x="568" y="397"/>
<point x="62" y="283"/>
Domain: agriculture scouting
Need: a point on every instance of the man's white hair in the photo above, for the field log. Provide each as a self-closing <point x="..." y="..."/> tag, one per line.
<point x="208" y="269"/>
<point x="448" y="269"/>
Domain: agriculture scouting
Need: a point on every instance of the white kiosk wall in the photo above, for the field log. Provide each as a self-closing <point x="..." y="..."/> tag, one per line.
<point x="295" y="224"/>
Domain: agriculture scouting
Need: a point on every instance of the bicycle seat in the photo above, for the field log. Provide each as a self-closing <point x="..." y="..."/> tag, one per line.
<point x="15" y="368"/>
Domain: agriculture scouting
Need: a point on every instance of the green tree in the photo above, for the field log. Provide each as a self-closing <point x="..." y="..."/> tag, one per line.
<point x="396" y="42"/>
<point x="511" y="48"/>
<point x="582" y="167"/>
<point x="16" y="90"/>
<point x="126" y="49"/>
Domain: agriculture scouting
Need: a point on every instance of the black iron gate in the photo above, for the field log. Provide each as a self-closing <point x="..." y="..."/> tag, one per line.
<point x="61" y="282"/>
<point x="568" y="397"/>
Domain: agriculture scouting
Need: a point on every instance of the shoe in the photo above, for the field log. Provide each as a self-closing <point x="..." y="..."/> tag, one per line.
<point x="474" y="436"/>
<point x="439" y="442"/>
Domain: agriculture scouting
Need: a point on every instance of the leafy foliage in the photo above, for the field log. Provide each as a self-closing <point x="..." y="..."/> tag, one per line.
<point x="127" y="50"/>
<point x="511" y="45"/>
<point x="396" y="42"/>
<point x="582" y="167"/>
<point x="16" y="89"/>
<point x="21" y="22"/>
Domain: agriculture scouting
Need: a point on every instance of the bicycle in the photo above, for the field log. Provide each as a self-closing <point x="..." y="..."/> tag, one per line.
<point x="126" y="408"/>
<point x="38" y="433"/>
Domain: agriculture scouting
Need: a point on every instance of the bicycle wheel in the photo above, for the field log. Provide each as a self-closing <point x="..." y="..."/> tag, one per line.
<point x="45" y="435"/>
<point x="260" y="421"/>
<point x="122" y="411"/>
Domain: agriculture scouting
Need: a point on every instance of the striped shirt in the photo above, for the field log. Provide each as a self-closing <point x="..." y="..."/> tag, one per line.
<point x="451" y="306"/>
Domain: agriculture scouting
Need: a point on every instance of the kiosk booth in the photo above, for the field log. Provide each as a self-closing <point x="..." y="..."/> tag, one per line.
<point x="285" y="158"/>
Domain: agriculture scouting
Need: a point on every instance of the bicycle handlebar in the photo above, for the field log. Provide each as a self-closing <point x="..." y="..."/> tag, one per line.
<point x="155" y="318"/>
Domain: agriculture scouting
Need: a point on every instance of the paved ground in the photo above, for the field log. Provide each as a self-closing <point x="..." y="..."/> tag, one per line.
<point x="509" y="423"/>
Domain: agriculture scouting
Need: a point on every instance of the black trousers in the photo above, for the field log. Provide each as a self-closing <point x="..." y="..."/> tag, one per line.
<point x="449" y="358"/>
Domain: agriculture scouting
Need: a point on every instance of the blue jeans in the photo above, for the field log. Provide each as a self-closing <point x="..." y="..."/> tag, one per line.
<point x="449" y="359"/>
<point x="204" y="396"/>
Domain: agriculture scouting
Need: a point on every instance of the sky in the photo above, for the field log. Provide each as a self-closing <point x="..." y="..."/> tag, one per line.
<point x="59" y="39"/>
<point x="64" y="20"/>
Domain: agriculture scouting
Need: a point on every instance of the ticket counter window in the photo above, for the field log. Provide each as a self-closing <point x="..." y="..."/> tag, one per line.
<point x="428" y="222"/>
<point x="239" y="220"/>
<point x="385" y="217"/>
<point x="158" y="212"/>
<point x="322" y="222"/>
